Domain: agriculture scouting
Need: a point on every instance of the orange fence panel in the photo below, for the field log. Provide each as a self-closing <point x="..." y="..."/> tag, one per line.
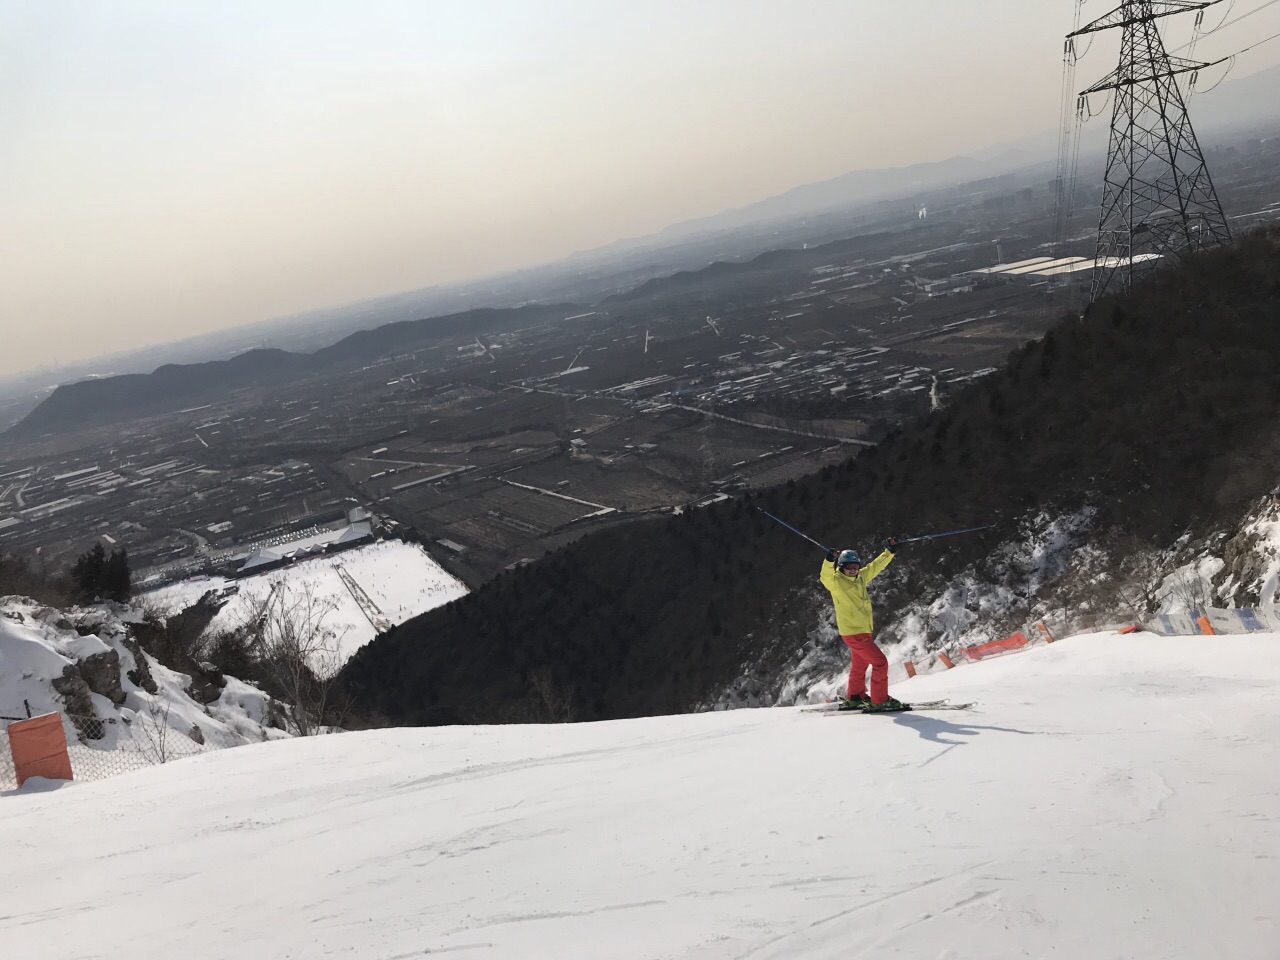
<point x="911" y="668"/>
<point x="1045" y="630"/>
<point x="946" y="661"/>
<point x="39" y="748"/>
<point x="981" y="650"/>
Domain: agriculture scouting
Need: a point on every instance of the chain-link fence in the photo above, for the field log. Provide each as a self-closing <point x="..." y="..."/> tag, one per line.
<point x="105" y="748"/>
<point x="8" y="777"/>
<point x="101" y="748"/>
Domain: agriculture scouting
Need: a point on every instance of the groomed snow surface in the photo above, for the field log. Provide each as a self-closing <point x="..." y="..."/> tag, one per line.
<point x="401" y="579"/>
<point x="1111" y="797"/>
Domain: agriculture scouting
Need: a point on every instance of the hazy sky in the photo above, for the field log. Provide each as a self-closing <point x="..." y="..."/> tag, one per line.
<point x="173" y="167"/>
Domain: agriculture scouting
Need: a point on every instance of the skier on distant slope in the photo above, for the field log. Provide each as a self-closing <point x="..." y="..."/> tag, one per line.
<point x="846" y="579"/>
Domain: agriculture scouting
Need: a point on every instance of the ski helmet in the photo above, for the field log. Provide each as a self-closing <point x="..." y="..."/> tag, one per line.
<point x="848" y="556"/>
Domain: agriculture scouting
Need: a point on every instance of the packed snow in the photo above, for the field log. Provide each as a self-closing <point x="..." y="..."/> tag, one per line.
<point x="1110" y="796"/>
<point x="400" y="578"/>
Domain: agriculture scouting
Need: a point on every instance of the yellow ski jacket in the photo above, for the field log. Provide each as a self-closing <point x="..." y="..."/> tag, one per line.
<point x="849" y="594"/>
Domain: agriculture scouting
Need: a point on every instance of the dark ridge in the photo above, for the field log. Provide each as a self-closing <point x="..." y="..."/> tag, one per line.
<point x="175" y="387"/>
<point x="1158" y="410"/>
<point x="712" y="277"/>
<point x="171" y="387"/>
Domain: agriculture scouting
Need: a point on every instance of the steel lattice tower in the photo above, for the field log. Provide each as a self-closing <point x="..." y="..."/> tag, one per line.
<point x="1157" y="198"/>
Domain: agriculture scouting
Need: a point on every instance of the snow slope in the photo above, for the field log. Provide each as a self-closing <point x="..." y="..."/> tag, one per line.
<point x="1112" y="797"/>
<point x="400" y="578"/>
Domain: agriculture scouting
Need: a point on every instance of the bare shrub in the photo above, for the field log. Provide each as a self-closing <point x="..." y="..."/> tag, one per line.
<point x="545" y="701"/>
<point x="551" y="702"/>
<point x="154" y="725"/>
<point x="1191" y="589"/>
<point x="177" y="640"/>
<point x="26" y="577"/>
<point x="1142" y="572"/>
<point x="298" y="655"/>
<point x="233" y="652"/>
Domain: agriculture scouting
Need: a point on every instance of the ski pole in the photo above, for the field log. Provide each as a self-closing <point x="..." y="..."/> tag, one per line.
<point x="825" y="549"/>
<point x="949" y="533"/>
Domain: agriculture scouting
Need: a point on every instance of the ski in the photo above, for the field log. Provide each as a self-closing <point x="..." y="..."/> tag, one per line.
<point x="836" y="706"/>
<point x="912" y="708"/>
<point x="831" y="706"/>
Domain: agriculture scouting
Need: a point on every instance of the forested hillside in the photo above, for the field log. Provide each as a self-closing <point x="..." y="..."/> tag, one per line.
<point x="1158" y="410"/>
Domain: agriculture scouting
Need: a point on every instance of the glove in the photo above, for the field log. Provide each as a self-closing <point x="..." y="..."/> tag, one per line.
<point x="891" y="544"/>
<point x="832" y="555"/>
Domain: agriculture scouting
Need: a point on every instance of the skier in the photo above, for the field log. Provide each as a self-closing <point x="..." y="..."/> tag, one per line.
<point x="846" y="579"/>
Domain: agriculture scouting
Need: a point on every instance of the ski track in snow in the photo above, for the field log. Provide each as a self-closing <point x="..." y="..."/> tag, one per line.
<point x="1111" y="797"/>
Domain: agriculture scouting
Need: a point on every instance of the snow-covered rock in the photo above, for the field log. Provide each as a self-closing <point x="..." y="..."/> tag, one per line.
<point x="114" y="697"/>
<point x="1250" y="573"/>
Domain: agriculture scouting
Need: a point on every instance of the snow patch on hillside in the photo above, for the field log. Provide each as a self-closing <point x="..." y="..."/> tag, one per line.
<point x="401" y="579"/>
<point x="1190" y="586"/>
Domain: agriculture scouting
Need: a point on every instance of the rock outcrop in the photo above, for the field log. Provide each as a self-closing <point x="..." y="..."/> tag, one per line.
<point x="78" y="700"/>
<point x="140" y="675"/>
<point x="101" y="673"/>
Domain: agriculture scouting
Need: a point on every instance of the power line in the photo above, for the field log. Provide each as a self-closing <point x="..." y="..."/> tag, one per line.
<point x="1225" y="24"/>
<point x="1231" y="64"/>
<point x="1068" y="131"/>
<point x="1258" y="44"/>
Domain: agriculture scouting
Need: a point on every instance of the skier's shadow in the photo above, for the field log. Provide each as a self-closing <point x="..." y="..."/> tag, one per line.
<point x="935" y="729"/>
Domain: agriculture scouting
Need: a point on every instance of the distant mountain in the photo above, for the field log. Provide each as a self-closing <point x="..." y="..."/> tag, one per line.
<point x="752" y="278"/>
<point x="169" y="388"/>
<point x="174" y="387"/>
<point x="846" y="191"/>
<point x="1249" y="101"/>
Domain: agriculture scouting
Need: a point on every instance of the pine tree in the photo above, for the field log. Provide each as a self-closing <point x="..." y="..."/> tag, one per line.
<point x="87" y="573"/>
<point x="99" y="577"/>
<point x="117" y="581"/>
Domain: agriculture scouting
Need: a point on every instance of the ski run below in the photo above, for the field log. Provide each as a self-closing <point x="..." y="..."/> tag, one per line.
<point x="1110" y="797"/>
<point x="401" y="579"/>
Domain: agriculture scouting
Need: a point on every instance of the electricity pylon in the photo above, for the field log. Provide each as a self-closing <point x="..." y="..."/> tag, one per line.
<point x="1157" y="197"/>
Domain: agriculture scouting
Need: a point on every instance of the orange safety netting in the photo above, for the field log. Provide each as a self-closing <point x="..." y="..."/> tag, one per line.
<point x="39" y="748"/>
<point x="981" y="650"/>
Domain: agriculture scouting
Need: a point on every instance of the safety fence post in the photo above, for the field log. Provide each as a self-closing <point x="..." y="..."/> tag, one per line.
<point x="39" y="748"/>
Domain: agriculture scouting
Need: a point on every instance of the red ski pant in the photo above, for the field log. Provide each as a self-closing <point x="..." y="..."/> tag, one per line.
<point x="867" y="654"/>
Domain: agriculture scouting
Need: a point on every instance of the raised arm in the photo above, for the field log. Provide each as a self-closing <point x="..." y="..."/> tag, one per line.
<point x="873" y="569"/>
<point x="828" y="573"/>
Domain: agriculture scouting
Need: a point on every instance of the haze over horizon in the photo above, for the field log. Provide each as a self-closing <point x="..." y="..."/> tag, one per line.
<point x="174" y="170"/>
